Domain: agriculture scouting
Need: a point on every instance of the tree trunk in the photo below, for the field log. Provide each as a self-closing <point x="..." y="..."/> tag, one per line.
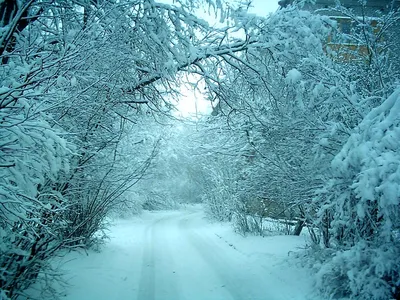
<point x="299" y="227"/>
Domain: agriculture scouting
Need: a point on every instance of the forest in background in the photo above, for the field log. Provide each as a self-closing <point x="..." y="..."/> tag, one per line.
<point x="297" y="132"/>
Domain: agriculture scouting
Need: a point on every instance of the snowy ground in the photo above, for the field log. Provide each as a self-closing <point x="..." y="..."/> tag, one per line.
<point x="179" y="255"/>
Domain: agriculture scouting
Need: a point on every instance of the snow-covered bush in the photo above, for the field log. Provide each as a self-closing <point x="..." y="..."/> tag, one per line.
<point x="130" y="204"/>
<point x="219" y="195"/>
<point x="244" y="223"/>
<point x="360" y="209"/>
<point x="272" y="100"/>
<point x="33" y="156"/>
<point x="159" y="201"/>
<point x="298" y="104"/>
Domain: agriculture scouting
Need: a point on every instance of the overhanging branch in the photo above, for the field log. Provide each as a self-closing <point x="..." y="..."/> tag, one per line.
<point x="213" y="52"/>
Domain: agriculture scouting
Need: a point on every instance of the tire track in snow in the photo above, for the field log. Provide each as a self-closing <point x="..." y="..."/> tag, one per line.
<point x="147" y="277"/>
<point x="243" y="279"/>
<point x="181" y="261"/>
<point x="153" y="257"/>
<point x="211" y="255"/>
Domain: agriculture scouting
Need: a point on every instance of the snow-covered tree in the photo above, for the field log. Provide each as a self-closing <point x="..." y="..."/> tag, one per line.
<point x="83" y="84"/>
<point x="359" y="209"/>
<point x="75" y="76"/>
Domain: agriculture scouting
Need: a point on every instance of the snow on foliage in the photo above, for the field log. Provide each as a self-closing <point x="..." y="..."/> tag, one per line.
<point x="297" y="105"/>
<point x="69" y="105"/>
<point x="33" y="156"/>
<point x="84" y="85"/>
<point x="293" y="76"/>
<point x="362" y="207"/>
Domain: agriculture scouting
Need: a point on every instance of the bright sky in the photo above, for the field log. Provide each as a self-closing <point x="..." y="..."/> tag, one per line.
<point x="263" y="7"/>
<point x="193" y="104"/>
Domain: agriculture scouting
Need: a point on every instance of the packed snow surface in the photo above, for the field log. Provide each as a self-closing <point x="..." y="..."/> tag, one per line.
<point x="179" y="255"/>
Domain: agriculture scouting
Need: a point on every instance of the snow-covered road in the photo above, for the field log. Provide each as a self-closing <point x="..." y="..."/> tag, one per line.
<point x="180" y="256"/>
<point x="181" y="261"/>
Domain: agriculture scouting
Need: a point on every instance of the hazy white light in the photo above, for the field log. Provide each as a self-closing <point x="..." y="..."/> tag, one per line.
<point x="192" y="103"/>
<point x="263" y="7"/>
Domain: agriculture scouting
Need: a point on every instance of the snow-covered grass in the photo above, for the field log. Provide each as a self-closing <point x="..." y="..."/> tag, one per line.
<point x="181" y="255"/>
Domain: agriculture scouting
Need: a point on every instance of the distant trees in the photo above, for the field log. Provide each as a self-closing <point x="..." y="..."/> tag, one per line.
<point x="173" y="179"/>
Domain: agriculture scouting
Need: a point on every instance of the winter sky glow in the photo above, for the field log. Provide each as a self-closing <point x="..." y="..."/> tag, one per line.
<point x="192" y="103"/>
<point x="263" y="7"/>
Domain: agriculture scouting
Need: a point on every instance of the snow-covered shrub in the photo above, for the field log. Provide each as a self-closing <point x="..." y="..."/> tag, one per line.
<point x="33" y="157"/>
<point x="130" y="205"/>
<point x="245" y="224"/>
<point x="219" y="202"/>
<point x="159" y="201"/>
<point x="359" y="272"/>
<point x="280" y="109"/>
<point x="240" y="223"/>
<point x="360" y="209"/>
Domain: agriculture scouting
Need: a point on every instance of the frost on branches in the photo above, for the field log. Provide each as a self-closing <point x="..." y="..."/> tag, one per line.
<point x="33" y="156"/>
<point x="360" y="212"/>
